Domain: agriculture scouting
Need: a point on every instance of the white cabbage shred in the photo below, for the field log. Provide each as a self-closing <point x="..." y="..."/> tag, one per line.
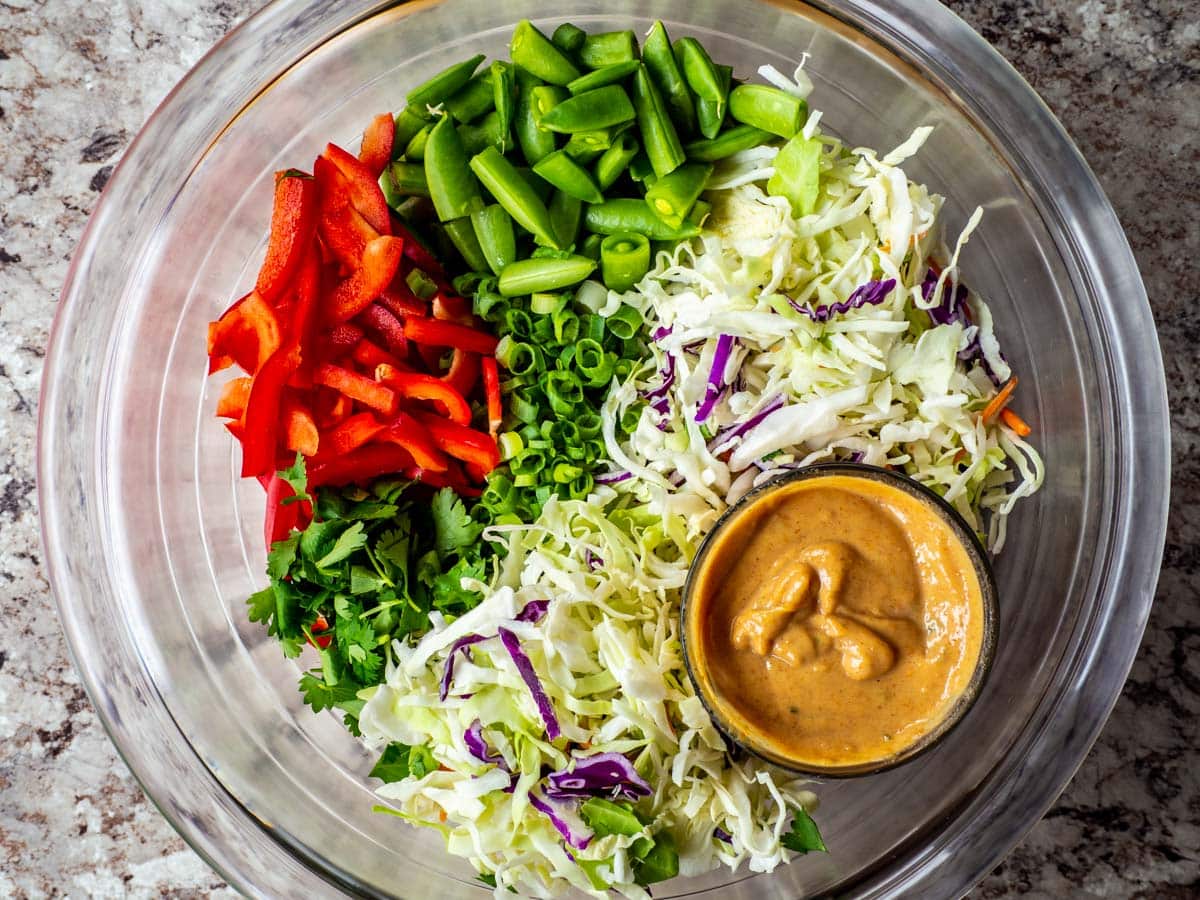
<point x="881" y="383"/>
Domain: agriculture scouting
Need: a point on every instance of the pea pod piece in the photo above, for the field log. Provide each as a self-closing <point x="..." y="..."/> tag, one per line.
<point x="496" y="236"/>
<point x="488" y="132"/>
<point x="658" y="131"/>
<point x="504" y="90"/>
<point x="615" y="160"/>
<point x="603" y="76"/>
<point x="698" y="70"/>
<point x="601" y="108"/>
<point x="640" y="169"/>
<point x="541" y="187"/>
<point x="711" y="113"/>
<point x="797" y="174"/>
<point x="672" y="196"/>
<point x="408" y="124"/>
<point x="514" y="193"/>
<point x="608" y="48"/>
<point x="534" y="52"/>
<point x="534" y="141"/>
<point x="442" y="86"/>
<point x="529" y="276"/>
<point x="768" y="108"/>
<point x="416" y="147"/>
<point x="566" y="212"/>
<point x="462" y="235"/>
<point x="659" y="59"/>
<point x="732" y="140"/>
<point x="473" y="99"/>
<point x="624" y="260"/>
<point x="568" y="38"/>
<point x="591" y="246"/>
<point x="569" y="176"/>
<point x="633" y="214"/>
<point x="401" y="180"/>
<point x="588" y="145"/>
<point x="700" y="211"/>
<point x="453" y="188"/>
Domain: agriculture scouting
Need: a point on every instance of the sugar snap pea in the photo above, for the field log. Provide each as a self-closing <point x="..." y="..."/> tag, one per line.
<point x="659" y="137"/>
<point x="659" y="59"/>
<point x="454" y="189"/>
<point x="496" y="236"/>
<point x="514" y="193"/>
<point x="535" y="53"/>
<point x="473" y="99"/>
<point x="672" y="196"/>
<point x="443" y="85"/>
<point x="567" y="175"/>
<point x="732" y="140"/>
<point x="605" y="75"/>
<point x="608" y="48"/>
<point x="633" y="214"/>
<point x="601" y="108"/>
<point x="529" y="276"/>
<point x="767" y="108"/>
<point x="615" y="160"/>
<point x="624" y="260"/>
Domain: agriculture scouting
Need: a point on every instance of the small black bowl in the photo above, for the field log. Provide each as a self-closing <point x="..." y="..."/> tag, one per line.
<point x="987" y="586"/>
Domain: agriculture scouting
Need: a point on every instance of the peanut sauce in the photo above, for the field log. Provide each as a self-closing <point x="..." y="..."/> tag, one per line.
<point x="837" y="619"/>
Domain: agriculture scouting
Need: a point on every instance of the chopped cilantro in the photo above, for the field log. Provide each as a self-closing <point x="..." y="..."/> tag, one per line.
<point x="804" y="837"/>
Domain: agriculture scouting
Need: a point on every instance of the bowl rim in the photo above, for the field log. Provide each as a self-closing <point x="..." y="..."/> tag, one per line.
<point x="251" y="854"/>
<point x="989" y="595"/>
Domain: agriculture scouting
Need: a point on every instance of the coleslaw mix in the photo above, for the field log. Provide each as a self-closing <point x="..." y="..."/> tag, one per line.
<point x="777" y="341"/>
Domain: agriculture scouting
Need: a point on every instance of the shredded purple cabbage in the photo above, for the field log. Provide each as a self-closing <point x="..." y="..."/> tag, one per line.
<point x="872" y="293"/>
<point x="609" y="775"/>
<point x="725" y="435"/>
<point x="716" y="377"/>
<point x="722" y="835"/>
<point x="593" y="561"/>
<point x="529" y="676"/>
<point x="666" y="378"/>
<point x="448" y="673"/>
<point x="953" y="309"/>
<point x="857" y="456"/>
<point x="576" y="837"/>
<point x="533" y="611"/>
<point x="479" y="748"/>
<point x="613" y="477"/>
<point x="661" y="332"/>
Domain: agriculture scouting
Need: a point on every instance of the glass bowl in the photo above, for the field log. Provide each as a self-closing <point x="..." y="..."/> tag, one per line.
<point x="731" y="721"/>
<point x="153" y="543"/>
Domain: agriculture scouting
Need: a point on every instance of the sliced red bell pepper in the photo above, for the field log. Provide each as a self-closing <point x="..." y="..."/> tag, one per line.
<point x="308" y="297"/>
<point x="431" y="356"/>
<point x="358" y="387"/>
<point x="369" y="354"/>
<point x="407" y="432"/>
<point x="365" y="193"/>
<point x="234" y="394"/>
<point x="418" y="386"/>
<point x="380" y="260"/>
<point x="330" y="407"/>
<point x="376" y="150"/>
<point x="299" y="427"/>
<point x="344" y="232"/>
<point x="399" y="299"/>
<point x="452" y="308"/>
<point x="464" y="369"/>
<point x="341" y="340"/>
<point x="281" y="517"/>
<point x="491" y="390"/>
<point x="453" y="477"/>
<point x="415" y="250"/>
<point x="362" y="465"/>
<point x="261" y="421"/>
<point x="439" y="333"/>
<point x="319" y="640"/>
<point x="293" y="224"/>
<point x="247" y="333"/>
<point x="350" y="434"/>
<point x="387" y="326"/>
<point x="463" y="443"/>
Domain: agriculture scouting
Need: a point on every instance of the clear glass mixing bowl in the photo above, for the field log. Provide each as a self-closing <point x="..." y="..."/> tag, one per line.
<point x="153" y="544"/>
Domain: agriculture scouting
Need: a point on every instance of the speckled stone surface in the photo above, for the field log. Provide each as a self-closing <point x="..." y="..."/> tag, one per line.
<point x="78" y="79"/>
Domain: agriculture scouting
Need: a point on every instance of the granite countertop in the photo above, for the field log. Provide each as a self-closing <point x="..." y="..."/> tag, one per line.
<point x="78" y="79"/>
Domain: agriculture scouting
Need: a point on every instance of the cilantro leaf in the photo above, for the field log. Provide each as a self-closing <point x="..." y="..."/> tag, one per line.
<point x="353" y="538"/>
<point x="420" y="762"/>
<point x="448" y="591"/>
<point x="365" y="580"/>
<point x="262" y="605"/>
<point x="354" y="638"/>
<point x="393" y="763"/>
<point x="453" y="527"/>
<point x="296" y="475"/>
<point x="321" y="696"/>
<point x="804" y="835"/>
<point x="392" y="550"/>
<point x="282" y="555"/>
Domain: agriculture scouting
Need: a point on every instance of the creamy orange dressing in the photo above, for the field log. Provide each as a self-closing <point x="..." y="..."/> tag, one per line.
<point x="837" y="619"/>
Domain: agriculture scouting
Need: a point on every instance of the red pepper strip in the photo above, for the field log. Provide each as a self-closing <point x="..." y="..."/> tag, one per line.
<point x="247" y="333"/>
<point x="391" y="329"/>
<point x="299" y="427"/>
<point x="362" y="465"/>
<point x="343" y="229"/>
<point x="280" y="518"/>
<point x="451" y="308"/>
<point x="415" y="250"/>
<point x="460" y="442"/>
<point x="330" y="408"/>
<point x="293" y="224"/>
<point x="236" y="429"/>
<point x="369" y="354"/>
<point x="449" y="334"/>
<point x="261" y="421"/>
<point x="491" y="390"/>
<point x="463" y="370"/>
<point x="365" y="192"/>
<point x="452" y="478"/>
<point x="365" y="390"/>
<point x="431" y="356"/>
<point x="380" y="260"/>
<point x="232" y="402"/>
<point x="401" y="301"/>
<point x="418" y="386"/>
<point x="308" y="296"/>
<point x="319" y="640"/>
<point x="376" y="150"/>
<point x="341" y="340"/>
<point x="407" y="432"/>
<point x="350" y="434"/>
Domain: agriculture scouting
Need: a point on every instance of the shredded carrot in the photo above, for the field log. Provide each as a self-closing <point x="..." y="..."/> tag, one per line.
<point x="886" y="246"/>
<point x="960" y="455"/>
<point x="441" y="815"/>
<point x="1015" y="422"/>
<point x="998" y="402"/>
